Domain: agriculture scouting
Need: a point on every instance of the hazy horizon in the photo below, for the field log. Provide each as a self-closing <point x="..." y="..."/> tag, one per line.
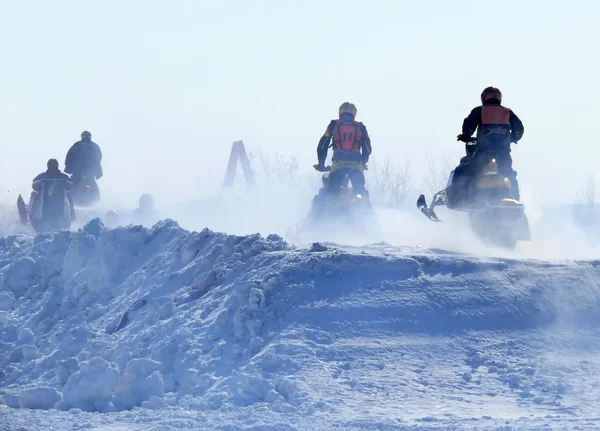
<point x="165" y="88"/>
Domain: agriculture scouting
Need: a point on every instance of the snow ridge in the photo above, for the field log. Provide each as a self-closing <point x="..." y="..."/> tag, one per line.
<point x="106" y="320"/>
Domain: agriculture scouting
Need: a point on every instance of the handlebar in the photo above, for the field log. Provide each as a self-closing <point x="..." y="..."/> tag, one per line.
<point x="472" y="140"/>
<point x="328" y="168"/>
<point x="323" y="169"/>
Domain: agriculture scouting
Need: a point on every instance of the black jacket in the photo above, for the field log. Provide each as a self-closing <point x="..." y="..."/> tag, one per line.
<point x="84" y="158"/>
<point x="494" y="123"/>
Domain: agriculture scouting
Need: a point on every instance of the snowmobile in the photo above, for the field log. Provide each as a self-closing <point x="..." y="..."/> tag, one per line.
<point x="31" y="214"/>
<point x="85" y="190"/>
<point x="495" y="217"/>
<point x="343" y="212"/>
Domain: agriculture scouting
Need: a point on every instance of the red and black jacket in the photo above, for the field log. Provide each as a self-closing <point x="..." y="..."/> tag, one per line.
<point x="349" y="139"/>
<point x="496" y="125"/>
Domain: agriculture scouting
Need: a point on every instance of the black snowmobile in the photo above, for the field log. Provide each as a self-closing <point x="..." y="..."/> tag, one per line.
<point x="85" y="190"/>
<point x="495" y="217"/>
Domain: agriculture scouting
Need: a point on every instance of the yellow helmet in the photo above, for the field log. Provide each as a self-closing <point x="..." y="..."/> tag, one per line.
<point x="347" y="107"/>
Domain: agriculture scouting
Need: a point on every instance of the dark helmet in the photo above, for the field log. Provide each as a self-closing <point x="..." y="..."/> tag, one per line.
<point x="52" y="164"/>
<point x="347" y="108"/>
<point x="86" y="136"/>
<point x="491" y="93"/>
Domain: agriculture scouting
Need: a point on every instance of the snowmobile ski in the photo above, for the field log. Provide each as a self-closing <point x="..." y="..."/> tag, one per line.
<point x="429" y="212"/>
<point x="23" y="216"/>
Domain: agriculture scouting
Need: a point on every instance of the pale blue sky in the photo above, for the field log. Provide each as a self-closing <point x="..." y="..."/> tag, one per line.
<point x="166" y="86"/>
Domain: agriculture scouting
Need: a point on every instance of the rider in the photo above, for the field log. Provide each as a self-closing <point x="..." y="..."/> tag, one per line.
<point x="497" y="127"/>
<point x="351" y="150"/>
<point x="84" y="158"/>
<point x="52" y="191"/>
<point x="145" y="212"/>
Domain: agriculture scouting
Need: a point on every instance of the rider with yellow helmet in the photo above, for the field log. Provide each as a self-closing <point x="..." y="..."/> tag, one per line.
<point x="351" y="149"/>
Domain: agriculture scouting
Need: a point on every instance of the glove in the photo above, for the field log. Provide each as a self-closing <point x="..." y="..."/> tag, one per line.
<point x="320" y="167"/>
<point x="463" y="138"/>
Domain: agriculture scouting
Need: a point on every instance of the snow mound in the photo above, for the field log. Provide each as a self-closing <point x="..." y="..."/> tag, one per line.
<point x="106" y="320"/>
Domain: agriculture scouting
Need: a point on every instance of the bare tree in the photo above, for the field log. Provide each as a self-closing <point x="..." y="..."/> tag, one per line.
<point x="275" y="167"/>
<point x="438" y="172"/>
<point x="274" y="170"/>
<point x="587" y="195"/>
<point x="586" y="211"/>
<point x="390" y="185"/>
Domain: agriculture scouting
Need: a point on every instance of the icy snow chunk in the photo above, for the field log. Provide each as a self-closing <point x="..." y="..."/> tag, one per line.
<point x="7" y="299"/>
<point x="317" y="247"/>
<point x="39" y="398"/>
<point x="75" y="341"/>
<point x="166" y="310"/>
<point x="284" y="408"/>
<point x="272" y="396"/>
<point x="78" y="255"/>
<point x="25" y="334"/>
<point x="277" y="239"/>
<point x="287" y="388"/>
<point x="4" y="318"/>
<point x="269" y="282"/>
<point x="94" y="227"/>
<point x="256" y="344"/>
<point x="194" y="383"/>
<point x="247" y="389"/>
<point x="169" y="382"/>
<point x="65" y="368"/>
<point x="258" y="246"/>
<point x="182" y="335"/>
<point x="256" y="300"/>
<point x="29" y="351"/>
<point x="90" y="388"/>
<point x="16" y="354"/>
<point x="11" y="400"/>
<point x="141" y="367"/>
<point x="152" y="403"/>
<point x="142" y="379"/>
<point x="188" y="380"/>
<point x="20" y="275"/>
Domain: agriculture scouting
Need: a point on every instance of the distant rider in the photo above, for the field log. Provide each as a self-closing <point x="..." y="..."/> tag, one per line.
<point x="145" y="212"/>
<point x="84" y="158"/>
<point x="52" y="193"/>
<point x="497" y="127"/>
<point x="351" y="150"/>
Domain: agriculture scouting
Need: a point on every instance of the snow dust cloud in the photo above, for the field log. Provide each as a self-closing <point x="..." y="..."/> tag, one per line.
<point x="165" y="89"/>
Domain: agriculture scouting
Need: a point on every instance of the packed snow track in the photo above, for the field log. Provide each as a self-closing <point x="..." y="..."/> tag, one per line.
<point x="166" y="329"/>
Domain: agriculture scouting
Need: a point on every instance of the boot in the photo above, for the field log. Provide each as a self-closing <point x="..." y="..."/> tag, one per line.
<point x="514" y="186"/>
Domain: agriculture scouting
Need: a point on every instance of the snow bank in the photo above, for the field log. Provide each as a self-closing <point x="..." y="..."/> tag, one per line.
<point x="111" y="320"/>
